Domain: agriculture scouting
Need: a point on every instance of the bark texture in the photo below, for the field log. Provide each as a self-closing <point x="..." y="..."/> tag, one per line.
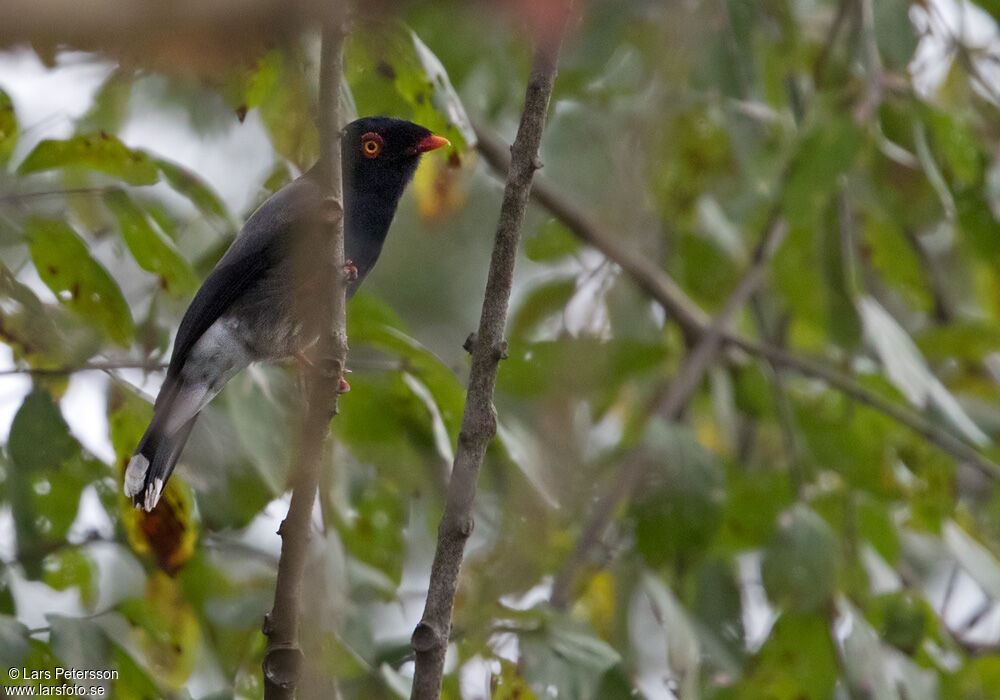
<point x="488" y="347"/>
<point x="323" y="294"/>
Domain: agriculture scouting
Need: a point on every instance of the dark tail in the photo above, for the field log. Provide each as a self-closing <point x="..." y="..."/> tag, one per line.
<point x="153" y="462"/>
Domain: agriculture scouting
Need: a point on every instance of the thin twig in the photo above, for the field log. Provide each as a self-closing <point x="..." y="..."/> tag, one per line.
<point x="693" y="321"/>
<point x="819" y="71"/>
<point x="681" y="389"/>
<point x="15" y="197"/>
<point x="362" y="363"/>
<point x="479" y="423"/>
<point x="944" y="439"/>
<point x="326" y="318"/>
<point x="109" y="366"/>
<point x="782" y="404"/>
<point x="873" y="64"/>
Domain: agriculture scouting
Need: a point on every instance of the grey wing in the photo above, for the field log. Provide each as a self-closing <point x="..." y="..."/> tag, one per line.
<point x="262" y="244"/>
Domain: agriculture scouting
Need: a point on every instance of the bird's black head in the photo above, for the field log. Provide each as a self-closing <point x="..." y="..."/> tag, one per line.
<point x="380" y="154"/>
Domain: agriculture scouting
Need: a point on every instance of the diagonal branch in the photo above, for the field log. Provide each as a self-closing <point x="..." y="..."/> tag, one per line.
<point x="681" y="389"/>
<point x="479" y="424"/>
<point x="324" y="315"/>
<point x="693" y="321"/>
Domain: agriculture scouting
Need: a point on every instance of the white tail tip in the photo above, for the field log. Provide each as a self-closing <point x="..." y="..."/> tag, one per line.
<point x="135" y="475"/>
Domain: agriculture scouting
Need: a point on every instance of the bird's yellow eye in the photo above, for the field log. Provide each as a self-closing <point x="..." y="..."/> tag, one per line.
<point x="371" y="144"/>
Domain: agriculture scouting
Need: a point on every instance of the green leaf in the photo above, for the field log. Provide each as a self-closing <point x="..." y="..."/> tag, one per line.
<point x="718" y="605"/>
<point x="72" y="568"/>
<point x="194" y="188"/>
<point x="797" y="662"/>
<point x="956" y="142"/>
<point x="280" y="89"/>
<point x="98" y="151"/>
<point x="551" y="241"/>
<point x="80" y="282"/>
<point x="391" y="52"/>
<point x="977" y="561"/>
<point x="48" y="476"/>
<point x="663" y="638"/>
<point x="679" y="509"/>
<point x="800" y="564"/>
<point x="258" y="402"/>
<point x="563" y="657"/>
<point x="876" y="525"/>
<point x="574" y="364"/>
<point x="510" y="686"/>
<point x="129" y="415"/>
<point x="894" y="32"/>
<point x="13" y="642"/>
<point x="39" y="437"/>
<point x="961" y="340"/>
<point x="979" y="227"/>
<point x="908" y="370"/>
<point x="79" y="643"/>
<point x="133" y="681"/>
<point x="979" y="679"/>
<point x="152" y="250"/>
<point x="8" y="128"/>
<point x="754" y="500"/>
<point x="110" y="107"/>
<point x="820" y="158"/>
<point x="864" y="660"/>
<point x="540" y="304"/>
<point x="903" y="620"/>
<point x="895" y="259"/>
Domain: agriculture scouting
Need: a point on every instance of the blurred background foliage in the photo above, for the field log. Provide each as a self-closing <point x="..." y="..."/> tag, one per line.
<point x="788" y="542"/>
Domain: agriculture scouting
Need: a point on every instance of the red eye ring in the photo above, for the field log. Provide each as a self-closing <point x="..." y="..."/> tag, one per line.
<point x="371" y="144"/>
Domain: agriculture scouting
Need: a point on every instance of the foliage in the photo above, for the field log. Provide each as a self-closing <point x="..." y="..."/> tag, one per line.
<point x="787" y="541"/>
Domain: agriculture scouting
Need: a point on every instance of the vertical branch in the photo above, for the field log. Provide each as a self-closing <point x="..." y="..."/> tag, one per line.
<point x="488" y="347"/>
<point x="322" y="308"/>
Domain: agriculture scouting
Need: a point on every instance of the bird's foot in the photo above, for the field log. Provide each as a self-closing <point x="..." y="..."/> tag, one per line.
<point x="344" y="385"/>
<point x="350" y="271"/>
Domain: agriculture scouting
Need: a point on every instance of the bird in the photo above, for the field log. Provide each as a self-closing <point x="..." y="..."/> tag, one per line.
<point x="246" y="311"/>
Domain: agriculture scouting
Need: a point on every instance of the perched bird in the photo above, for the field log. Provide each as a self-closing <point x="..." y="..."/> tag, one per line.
<point x="246" y="312"/>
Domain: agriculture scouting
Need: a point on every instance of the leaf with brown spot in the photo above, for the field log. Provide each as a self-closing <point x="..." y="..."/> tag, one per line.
<point x="97" y="151"/>
<point x="80" y="282"/>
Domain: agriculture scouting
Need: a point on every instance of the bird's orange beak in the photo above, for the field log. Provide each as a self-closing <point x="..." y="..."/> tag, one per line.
<point x="431" y="142"/>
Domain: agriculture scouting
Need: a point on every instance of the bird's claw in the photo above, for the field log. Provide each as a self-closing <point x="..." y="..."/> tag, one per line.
<point x="350" y="271"/>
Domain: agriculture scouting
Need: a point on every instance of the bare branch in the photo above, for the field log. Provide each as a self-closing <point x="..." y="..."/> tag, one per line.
<point x="683" y="386"/>
<point x="109" y="366"/>
<point x="479" y="424"/>
<point x="326" y="317"/>
<point x="644" y="272"/>
<point x="819" y="70"/>
<point x="944" y="439"/>
<point x="18" y="197"/>
<point x="693" y="322"/>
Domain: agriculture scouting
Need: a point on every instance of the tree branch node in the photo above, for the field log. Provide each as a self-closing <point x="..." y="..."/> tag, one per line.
<point x="283" y="665"/>
<point x="470" y="343"/>
<point x="425" y="638"/>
